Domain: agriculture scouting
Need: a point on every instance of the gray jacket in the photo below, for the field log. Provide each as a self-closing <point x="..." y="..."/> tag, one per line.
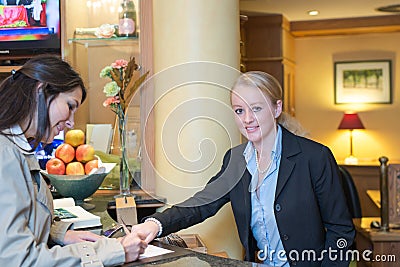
<point x="27" y="227"/>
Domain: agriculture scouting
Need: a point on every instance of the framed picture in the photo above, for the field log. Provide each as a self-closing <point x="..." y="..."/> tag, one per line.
<point x="363" y="82"/>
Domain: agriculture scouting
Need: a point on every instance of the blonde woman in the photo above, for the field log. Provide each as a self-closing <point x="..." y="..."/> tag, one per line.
<point x="284" y="189"/>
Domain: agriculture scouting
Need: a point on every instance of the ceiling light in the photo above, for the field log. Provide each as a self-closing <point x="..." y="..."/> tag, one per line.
<point x="313" y="12"/>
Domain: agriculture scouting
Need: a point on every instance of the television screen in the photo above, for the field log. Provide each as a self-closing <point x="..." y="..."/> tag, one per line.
<point x="29" y="27"/>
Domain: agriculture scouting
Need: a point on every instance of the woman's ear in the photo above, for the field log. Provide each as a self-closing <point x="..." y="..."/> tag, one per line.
<point x="278" y="108"/>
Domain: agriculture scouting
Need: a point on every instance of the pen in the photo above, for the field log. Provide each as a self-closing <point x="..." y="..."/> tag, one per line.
<point x="126" y="230"/>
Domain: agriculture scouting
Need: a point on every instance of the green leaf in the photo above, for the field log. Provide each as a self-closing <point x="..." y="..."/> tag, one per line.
<point x="105" y="157"/>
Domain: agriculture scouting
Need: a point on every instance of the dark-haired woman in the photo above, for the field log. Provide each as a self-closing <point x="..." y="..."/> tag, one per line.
<point x="37" y="102"/>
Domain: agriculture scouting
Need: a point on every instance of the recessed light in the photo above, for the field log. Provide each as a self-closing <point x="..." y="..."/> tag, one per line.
<point x="313" y="12"/>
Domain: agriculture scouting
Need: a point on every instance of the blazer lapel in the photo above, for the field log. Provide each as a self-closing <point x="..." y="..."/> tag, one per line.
<point x="284" y="174"/>
<point x="245" y="181"/>
<point x="247" y="211"/>
<point x="246" y="195"/>
<point x="243" y="191"/>
<point x="290" y="147"/>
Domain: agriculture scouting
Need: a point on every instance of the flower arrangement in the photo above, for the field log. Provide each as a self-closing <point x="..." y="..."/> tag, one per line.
<point x="119" y="91"/>
<point x="122" y="86"/>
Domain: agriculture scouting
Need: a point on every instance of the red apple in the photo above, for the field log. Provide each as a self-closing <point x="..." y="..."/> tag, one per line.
<point x="75" y="137"/>
<point x="84" y="153"/>
<point x="65" y="152"/>
<point x="55" y="166"/>
<point x="75" y="168"/>
<point x="90" y="165"/>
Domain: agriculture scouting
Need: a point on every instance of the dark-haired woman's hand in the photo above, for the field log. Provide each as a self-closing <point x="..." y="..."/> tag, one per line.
<point x="72" y="237"/>
<point x="133" y="246"/>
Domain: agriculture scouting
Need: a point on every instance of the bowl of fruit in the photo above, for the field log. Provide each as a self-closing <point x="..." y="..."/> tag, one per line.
<point x="75" y="171"/>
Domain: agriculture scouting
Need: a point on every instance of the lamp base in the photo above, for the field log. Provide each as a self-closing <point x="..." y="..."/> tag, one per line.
<point x="351" y="160"/>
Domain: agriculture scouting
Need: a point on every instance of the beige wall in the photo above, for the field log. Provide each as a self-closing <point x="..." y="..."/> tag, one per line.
<point x="314" y="88"/>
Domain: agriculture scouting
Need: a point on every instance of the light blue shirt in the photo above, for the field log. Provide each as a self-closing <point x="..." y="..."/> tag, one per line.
<point x="263" y="223"/>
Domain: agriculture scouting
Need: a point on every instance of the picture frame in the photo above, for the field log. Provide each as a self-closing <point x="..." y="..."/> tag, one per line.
<point x="364" y="82"/>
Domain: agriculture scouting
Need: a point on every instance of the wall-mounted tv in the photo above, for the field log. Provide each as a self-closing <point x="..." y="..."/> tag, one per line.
<point x="29" y="27"/>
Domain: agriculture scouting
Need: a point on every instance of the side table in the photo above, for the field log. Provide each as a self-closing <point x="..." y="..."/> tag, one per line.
<point x="375" y="247"/>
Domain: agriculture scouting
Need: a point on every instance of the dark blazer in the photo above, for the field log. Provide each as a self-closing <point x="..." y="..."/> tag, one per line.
<point x="310" y="207"/>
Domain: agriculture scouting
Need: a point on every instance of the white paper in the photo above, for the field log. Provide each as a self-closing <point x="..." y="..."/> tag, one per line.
<point x="153" y="251"/>
<point x="63" y="202"/>
<point x="108" y="166"/>
<point x="84" y="218"/>
<point x="99" y="136"/>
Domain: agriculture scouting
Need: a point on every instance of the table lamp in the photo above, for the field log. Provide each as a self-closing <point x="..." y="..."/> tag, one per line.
<point x="351" y="121"/>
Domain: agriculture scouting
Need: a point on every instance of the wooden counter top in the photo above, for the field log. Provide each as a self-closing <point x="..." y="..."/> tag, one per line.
<point x="363" y="226"/>
<point x="186" y="257"/>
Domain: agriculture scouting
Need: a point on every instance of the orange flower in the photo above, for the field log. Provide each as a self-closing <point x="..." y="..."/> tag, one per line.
<point x="119" y="63"/>
<point x="111" y="100"/>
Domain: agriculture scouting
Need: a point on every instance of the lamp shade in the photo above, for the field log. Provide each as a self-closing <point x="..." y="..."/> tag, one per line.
<point x="351" y="121"/>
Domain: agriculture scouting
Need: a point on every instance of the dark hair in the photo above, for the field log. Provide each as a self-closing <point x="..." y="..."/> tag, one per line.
<point x="40" y="80"/>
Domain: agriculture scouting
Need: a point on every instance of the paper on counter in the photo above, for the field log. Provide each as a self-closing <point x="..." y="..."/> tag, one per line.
<point x="153" y="251"/>
<point x="80" y="218"/>
<point x="63" y="202"/>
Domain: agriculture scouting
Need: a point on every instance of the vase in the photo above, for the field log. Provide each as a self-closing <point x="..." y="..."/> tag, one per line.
<point x="125" y="200"/>
<point x="124" y="178"/>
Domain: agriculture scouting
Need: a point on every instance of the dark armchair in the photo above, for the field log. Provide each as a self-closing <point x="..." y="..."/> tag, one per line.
<point x="349" y="188"/>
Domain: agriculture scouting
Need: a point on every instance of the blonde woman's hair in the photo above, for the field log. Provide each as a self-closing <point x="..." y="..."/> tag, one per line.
<point x="273" y="90"/>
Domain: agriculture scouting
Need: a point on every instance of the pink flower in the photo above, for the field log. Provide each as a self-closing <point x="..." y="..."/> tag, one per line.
<point x="111" y="100"/>
<point x="119" y="63"/>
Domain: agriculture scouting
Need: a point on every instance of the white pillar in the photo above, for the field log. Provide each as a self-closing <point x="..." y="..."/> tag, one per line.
<point x="196" y="60"/>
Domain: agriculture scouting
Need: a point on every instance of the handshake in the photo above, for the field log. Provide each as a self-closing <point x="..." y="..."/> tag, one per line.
<point x="136" y="238"/>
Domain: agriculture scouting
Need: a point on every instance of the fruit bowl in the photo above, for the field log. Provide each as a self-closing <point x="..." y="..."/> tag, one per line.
<point x="79" y="187"/>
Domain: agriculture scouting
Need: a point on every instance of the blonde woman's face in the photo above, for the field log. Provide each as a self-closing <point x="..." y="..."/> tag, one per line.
<point x="255" y="116"/>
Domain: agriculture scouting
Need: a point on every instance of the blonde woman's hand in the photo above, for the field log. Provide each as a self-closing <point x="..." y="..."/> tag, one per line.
<point x="148" y="230"/>
<point x="72" y="237"/>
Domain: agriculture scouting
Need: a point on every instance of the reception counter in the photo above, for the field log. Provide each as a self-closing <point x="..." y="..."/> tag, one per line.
<point x="146" y="205"/>
<point x="186" y="257"/>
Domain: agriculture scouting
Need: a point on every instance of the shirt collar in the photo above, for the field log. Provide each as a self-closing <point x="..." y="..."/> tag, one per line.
<point x="19" y="139"/>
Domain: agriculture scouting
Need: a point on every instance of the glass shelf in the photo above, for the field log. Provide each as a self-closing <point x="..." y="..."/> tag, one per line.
<point x="94" y="41"/>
